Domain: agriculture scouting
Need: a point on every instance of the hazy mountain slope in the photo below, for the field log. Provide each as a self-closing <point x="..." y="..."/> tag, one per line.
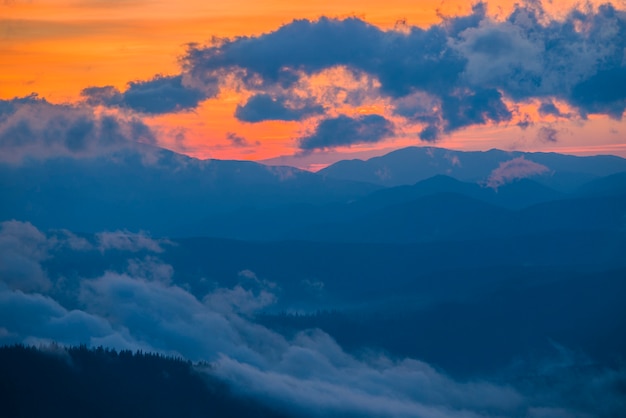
<point x="612" y="185"/>
<point x="515" y="195"/>
<point x="169" y="190"/>
<point x="437" y="217"/>
<point x="439" y="208"/>
<point x="532" y="314"/>
<point x="452" y="216"/>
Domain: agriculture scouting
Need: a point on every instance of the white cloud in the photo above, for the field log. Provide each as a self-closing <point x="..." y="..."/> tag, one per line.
<point x="31" y="127"/>
<point x="124" y="240"/>
<point x="151" y="268"/>
<point x="72" y="241"/>
<point x="22" y="249"/>
<point x="309" y="374"/>
<point x="517" y="168"/>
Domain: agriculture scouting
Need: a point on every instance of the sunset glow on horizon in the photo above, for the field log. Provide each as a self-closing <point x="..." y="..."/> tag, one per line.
<point x="56" y="49"/>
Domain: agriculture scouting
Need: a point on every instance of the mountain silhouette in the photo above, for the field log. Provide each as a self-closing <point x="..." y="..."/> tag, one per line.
<point x="410" y="165"/>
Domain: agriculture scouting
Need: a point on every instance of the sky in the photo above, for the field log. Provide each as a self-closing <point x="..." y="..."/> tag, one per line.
<point x="314" y="82"/>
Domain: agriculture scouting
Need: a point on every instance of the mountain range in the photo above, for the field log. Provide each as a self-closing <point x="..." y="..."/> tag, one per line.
<point x="409" y="165"/>
<point x="431" y="194"/>
<point x="487" y="266"/>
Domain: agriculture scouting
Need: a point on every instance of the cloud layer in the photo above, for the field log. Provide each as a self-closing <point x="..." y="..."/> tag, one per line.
<point x="307" y="375"/>
<point x="344" y="130"/>
<point x="465" y="71"/>
<point x="162" y="94"/>
<point x="262" y="107"/>
<point x="31" y="127"/>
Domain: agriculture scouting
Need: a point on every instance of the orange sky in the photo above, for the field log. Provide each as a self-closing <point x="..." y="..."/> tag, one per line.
<point x="61" y="46"/>
<point x="58" y="47"/>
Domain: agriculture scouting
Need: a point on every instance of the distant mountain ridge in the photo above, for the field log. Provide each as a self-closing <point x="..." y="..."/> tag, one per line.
<point x="155" y="190"/>
<point x="407" y="166"/>
<point x="515" y="195"/>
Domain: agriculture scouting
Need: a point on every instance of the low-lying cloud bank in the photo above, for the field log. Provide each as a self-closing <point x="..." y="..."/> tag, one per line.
<point x="309" y="374"/>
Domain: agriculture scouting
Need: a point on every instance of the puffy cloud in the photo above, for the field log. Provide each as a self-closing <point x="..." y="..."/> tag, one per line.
<point x="22" y="249"/>
<point x="402" y="62"/>
<point x="167" y="318"/>
<point x="277" y="57"/>
<point x="103" y="96"/>
<point x="32" y="127"/>
<point x="430" y="133"/>
<point x="316" y="378"/>
<point x="344" y="130"/>
<point x="604" y="92"/>
<point x="151" y="268"/>
<point x="262" y="107"/>
<point x="9" y="107"/>
<point x="162" y="94"/>
<point x="454" y="110"/>
<point x="500" y="55"/>
<point x="246" y="298"/>
<point x="239" y="141"/>
<point x="239" y="300"/>
<point x="129" y="241"/>
<point x="305" y="372"/>
<point x="466" y="108"/>
<point x="547" y="134"/>
<point x="581" y="58"/>
<point x="467" y="64"/>
<point x="517" y="168"/>
<point x="33" y="318"/>
<point x="549" y="108"/>
<point x="71" y="240"/>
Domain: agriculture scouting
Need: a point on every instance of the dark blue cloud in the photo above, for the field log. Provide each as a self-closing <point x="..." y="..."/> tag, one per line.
<point x="301" y="46"/>
<point x="455" y="25"/>
<point x="580" y="59"/>
<point x="401" y="61"/>
<point x="239" y="141"/>
<point x="429" y="133"/>
<point x="464" y="70"/>
<point x="459" y="109"/>
<point x="474" y="108"/>
<point x="547" y="134"/>
<point x="262" y="107"/>
<point x="549" y="108"/>
<point x="525" y="122"/>
<point x="604" y="92"/>
<point x="344" y="130"/>
<point x="469" y="64"/>
<point x="105" y="95"/>
<point x="162" y="94"/>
